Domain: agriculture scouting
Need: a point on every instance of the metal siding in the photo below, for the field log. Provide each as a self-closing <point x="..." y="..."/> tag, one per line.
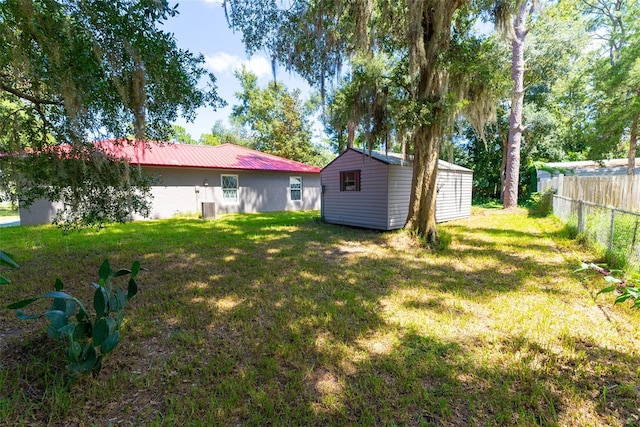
<point x="399" y="192"/>
<point x="384" y="202"/>
<point x="364" y="208"/>
<point x="453" y="200"/>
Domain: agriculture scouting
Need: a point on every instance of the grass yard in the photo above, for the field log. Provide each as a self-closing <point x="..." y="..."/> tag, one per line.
<point x="7" y="211"/>
<point x="279" y="319"/>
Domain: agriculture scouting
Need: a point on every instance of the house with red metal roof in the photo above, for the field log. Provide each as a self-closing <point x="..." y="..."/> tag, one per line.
<point x="210" y="180"/>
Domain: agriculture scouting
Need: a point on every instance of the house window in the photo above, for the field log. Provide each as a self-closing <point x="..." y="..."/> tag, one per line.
<point x="230" y="188"/>
<point x="295" y="188"/>
<point x="350" y="181"/>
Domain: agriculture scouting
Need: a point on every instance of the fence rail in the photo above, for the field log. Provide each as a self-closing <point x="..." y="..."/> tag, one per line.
<point x="622" y="191"/>
<point x="615" y="231"/>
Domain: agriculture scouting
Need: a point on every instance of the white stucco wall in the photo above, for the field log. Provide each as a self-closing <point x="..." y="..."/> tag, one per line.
<point x="40" y="212"/>
<point x="182" y="190"/>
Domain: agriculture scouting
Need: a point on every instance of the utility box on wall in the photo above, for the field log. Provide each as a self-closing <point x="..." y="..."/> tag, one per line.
<point x="208" y="210"/>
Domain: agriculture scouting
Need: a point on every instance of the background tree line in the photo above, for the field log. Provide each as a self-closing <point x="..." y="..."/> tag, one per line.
<point x="580" y="95"/>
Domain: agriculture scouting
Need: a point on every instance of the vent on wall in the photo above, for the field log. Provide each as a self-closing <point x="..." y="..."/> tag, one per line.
<point x="208" y="210"/>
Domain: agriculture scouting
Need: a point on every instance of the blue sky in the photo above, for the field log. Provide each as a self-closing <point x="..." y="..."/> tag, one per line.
<point x="201" y="27"/>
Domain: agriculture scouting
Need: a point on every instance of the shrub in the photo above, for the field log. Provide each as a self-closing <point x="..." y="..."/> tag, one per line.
<point x="540" y="204"/>
<point x="89" y="337"/>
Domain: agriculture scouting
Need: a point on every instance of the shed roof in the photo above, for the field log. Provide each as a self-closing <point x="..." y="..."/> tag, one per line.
<point x="225" y="156"/>
<point x="398" y="159"/>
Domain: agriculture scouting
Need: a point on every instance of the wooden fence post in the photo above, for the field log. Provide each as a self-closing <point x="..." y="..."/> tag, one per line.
<point x="581" y="221"/>
<point x="611" y="229"/>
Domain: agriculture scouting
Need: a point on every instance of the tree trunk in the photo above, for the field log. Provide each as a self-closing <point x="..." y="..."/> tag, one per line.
<point x="422" y="213"/>
<point x="351" y="132"/>
<point x="512" y="171"/>
<point x="429" y="35"/>
<point x="503" y="167"/>
<point x="633" y="144"/>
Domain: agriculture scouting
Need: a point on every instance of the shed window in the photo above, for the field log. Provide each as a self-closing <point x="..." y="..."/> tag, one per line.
<point x="350" y="181"/>
<point x="295" y="188"/>
<point x="230" y="188"/>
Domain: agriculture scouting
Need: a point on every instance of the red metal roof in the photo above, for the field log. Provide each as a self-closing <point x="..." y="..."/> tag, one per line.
<point x="225" y="156"/>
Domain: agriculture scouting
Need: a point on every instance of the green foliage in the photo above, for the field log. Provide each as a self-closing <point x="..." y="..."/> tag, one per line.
<point x="95" y="187"/>
<point x="444" y="239"/>
<point x="626" y="289"/>
<point x="571" y="230"/>
<point x="540" y="204"/>
<point x="279" y="120"/>
<point x="180" y="134"/>
<point x="616" y="75"/>
<point x="76" y="71"/>
<point x="484" y="157"/>
<point x="372" y="99"/>
<point x="615" y="249"/>
<point x="435" y="69"/>
<point x="557" y="106"/>
<point x="89" y="337"/>
<point x="6" y="259"/>
<point x="221" y="134"/>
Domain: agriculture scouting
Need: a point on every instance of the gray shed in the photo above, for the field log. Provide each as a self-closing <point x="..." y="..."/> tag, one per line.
<point x="373" y="191"/>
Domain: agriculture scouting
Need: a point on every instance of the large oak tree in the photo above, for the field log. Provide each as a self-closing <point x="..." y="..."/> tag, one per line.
<point x="316" y="38"/>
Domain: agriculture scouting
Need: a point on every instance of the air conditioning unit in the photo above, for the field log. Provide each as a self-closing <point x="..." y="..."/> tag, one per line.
<point x="208" y="210"/>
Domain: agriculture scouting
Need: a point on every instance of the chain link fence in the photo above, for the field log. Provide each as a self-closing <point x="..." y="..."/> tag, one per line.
<point x="615" y="232"/>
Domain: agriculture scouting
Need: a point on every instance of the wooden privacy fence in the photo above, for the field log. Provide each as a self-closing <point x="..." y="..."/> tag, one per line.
<point x="616" y="231"/>
<point x="621" y="191"/>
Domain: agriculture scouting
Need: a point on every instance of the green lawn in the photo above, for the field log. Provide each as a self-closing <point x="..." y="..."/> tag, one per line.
<point x="7" y="211"/>
<point x="279" y="319"/>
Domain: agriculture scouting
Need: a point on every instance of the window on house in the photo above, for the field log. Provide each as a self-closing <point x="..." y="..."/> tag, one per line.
<point x="295" y="188"/>
<point x="350" y="181"/>
<point x="230" y="188"/>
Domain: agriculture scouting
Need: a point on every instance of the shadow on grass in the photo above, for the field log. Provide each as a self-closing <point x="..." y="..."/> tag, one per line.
<point x="280" y="319"/>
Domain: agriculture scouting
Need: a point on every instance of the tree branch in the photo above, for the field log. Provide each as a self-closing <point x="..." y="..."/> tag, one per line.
<point x="26" y="96"/>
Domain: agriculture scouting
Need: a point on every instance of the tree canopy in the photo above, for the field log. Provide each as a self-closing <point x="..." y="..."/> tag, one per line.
<point x="221" y="134"/>
<point x="616" y="75"/>
<point x="405" y="76"/>
<point x="556" y="113"/>
<point x="76" y="71"/>
<point x="277" y="121"/>
<point x="430" y="41"/>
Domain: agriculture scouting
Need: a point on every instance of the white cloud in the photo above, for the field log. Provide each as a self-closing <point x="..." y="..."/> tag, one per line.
<point x="214" y="1"/>
<point x="225" y="63"/>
